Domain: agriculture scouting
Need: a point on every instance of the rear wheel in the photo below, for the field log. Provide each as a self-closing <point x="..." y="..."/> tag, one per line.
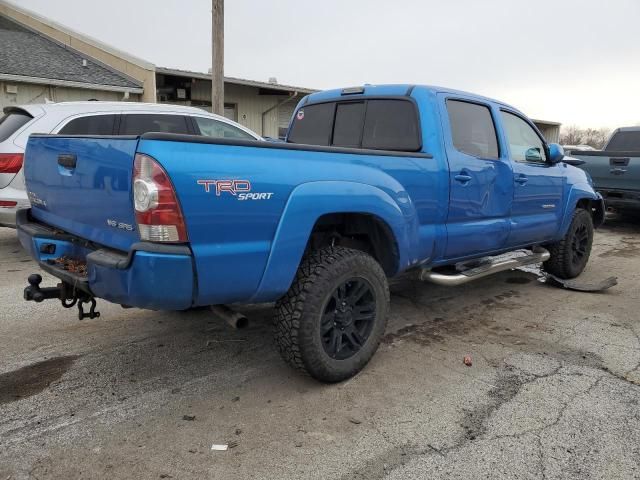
<point x="570" y="255"/>
<point x="330" y="322"/>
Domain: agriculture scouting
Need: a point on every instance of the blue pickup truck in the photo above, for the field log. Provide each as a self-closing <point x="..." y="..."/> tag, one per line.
<point x="372" y="182"/>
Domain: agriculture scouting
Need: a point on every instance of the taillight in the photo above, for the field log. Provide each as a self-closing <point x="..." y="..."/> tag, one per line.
<point x="157" y="209"/>
<point x="10" y="162"/>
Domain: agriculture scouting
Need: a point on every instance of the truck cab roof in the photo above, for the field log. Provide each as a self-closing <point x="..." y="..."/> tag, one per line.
<point x="401" y="89"/>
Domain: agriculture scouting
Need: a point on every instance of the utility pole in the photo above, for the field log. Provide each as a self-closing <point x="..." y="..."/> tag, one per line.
<point x="217" y="60"/>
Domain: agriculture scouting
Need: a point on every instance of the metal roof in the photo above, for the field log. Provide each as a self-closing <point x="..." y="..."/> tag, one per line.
<point x="233" y="80"/>
<point x="27" y="54"/>
<point x="546" y="122"/>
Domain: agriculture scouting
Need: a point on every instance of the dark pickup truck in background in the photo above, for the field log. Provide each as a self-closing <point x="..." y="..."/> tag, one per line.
<point x="616" y="169"/>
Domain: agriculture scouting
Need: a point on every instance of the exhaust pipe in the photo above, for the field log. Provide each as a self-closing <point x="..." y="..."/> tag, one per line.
<point x="539" y="255"/>
<point x="236" y="319"/>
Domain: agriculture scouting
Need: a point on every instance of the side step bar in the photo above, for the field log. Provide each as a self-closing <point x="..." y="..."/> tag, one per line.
<point x="491" y="266"/>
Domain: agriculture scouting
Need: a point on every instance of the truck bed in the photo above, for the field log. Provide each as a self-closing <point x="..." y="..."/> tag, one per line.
<point x="616" y="175"/>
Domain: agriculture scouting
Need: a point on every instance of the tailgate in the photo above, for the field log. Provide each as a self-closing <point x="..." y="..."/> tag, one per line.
<point x="82" y="185"/>
<point x="612" y="170"/>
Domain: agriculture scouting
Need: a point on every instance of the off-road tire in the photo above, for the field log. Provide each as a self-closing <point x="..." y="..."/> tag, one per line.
<point x="565" y="262"/>
<point x="299" y="314"/>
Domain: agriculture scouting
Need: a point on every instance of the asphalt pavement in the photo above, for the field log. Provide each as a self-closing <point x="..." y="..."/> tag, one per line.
<point x="553" y="391"/>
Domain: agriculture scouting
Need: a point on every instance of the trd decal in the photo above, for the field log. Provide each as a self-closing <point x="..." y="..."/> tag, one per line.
<point x="231" y="186"/>
<point x="241" y="189"/>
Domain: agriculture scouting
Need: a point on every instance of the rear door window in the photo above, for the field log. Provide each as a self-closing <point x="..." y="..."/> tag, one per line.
<point x="391" y="125"/>
<point x="472" y="129"/>
<point x="210" y="127"/>
<point x="90" y="125"/>
<point x="138" y="124"/>
<point x="312" y="125"/>
<point x="11" y="123"/>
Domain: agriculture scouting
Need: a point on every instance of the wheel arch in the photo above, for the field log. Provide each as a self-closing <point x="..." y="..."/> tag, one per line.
<point x="315" y="206"/>
<point x="583" y="196"/>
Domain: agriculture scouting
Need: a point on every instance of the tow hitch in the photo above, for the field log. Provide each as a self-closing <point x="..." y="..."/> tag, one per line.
<point x="66" y="293"/>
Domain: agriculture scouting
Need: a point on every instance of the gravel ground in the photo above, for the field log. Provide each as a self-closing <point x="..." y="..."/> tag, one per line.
<point x="553" y="393"/>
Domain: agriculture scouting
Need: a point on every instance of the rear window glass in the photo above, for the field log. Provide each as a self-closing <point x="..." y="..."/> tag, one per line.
<point x="625" y="141"/>
<point x="472" y="129"/>
<point x="391" y="125"/>
<point x="216" y="129"/>
<point x="11" y="123"/>
<point x="380" y="124"/>
<point x="347" y="128"/>
<point x="91" y="125"/>
<point x="312" y="125"/>
<point x="145" y="123"/>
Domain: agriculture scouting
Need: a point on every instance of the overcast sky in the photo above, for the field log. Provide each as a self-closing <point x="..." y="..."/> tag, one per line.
<point x="572" y="61"/>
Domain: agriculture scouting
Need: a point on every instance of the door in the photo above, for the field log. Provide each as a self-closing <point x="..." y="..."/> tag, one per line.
<point x="538" y="185"/>
<point x="231" y="111"/>
<point x="480" y="179"/>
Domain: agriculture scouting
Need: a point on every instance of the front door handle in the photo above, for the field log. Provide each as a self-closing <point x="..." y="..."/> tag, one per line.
<point x="463" y="177"/>
<point x="618" y="171"/>
<point x="521" y="179"/>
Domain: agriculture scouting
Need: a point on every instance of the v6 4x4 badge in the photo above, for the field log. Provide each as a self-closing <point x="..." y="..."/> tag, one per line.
<point x="241" y="189"/>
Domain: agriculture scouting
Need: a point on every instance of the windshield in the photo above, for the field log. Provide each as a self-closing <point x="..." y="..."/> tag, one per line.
<point x="625" y="141"/>
<point x="11" y="122"/>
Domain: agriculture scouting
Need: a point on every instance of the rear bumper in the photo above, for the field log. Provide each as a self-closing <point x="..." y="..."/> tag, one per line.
<point x="153" y="276"/>
<point x="621" y="199"/>
<point x="8" y="214"/>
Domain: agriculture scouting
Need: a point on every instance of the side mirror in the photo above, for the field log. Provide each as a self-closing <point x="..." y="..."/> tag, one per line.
<point x="556" y="153"/>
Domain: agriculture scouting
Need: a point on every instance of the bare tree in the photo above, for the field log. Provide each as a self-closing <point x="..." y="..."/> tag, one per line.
<point x="571" y="135"/>
<point x="594" y="137"/>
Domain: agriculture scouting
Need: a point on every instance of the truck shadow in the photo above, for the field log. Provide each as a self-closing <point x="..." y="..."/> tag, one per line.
<point x="622" y="223"/>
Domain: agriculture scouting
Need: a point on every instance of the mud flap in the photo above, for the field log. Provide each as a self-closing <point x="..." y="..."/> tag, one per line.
<point x="581" y="286"/>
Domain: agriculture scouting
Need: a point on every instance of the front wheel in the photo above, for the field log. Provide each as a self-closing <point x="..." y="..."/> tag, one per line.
<point x="570" y="255"/>
<point x="330" y="322"/>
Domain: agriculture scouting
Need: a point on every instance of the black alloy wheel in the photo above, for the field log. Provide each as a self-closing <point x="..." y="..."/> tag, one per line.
<point x="348" y="318"/>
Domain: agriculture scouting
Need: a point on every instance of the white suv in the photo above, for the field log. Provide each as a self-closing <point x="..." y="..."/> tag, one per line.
<point x="93" y="118"/>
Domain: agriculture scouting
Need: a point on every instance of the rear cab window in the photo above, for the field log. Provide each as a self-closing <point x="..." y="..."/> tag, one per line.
<point x="625" y="141"/>
<point x="11" y="122"/>
<point x="472" y="129"/>
<point x="371" y="123"/>
<point x="312" y="124"/>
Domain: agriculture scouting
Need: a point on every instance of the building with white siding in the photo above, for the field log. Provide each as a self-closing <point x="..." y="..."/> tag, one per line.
<point x="264" y="107"/>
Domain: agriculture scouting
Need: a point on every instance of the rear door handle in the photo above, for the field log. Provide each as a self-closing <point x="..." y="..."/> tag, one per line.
<point x="463" y="177"/>
<point x="67" y="160"/>
<point x="521" y="179"/>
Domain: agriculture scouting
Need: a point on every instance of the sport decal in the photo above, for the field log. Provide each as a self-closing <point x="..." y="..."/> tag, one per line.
<point x="240" y="189"/>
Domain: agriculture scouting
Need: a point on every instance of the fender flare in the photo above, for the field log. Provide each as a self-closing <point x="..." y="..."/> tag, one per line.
<point x="307" y="203"/>
<point x="581" y="192"/>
